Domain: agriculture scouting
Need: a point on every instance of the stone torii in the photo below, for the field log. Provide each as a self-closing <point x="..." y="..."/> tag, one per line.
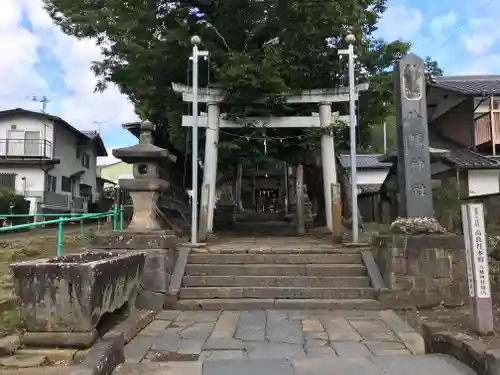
<point x="214" y="120"/>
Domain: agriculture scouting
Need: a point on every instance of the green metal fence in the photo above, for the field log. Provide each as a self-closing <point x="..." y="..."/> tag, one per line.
<point x="64" y="218"/>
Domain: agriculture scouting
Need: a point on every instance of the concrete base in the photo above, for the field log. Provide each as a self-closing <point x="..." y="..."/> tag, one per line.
<point x="79" y="340"/>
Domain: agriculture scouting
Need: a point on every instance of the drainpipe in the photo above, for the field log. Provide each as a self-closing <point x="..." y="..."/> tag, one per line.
<point x="458" y="182"/>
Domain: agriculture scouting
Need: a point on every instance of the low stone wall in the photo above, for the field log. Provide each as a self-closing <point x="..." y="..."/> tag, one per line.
<point x="472" y="352"/>
<point x="421" y="270"/>
<point x="161" y="255"/>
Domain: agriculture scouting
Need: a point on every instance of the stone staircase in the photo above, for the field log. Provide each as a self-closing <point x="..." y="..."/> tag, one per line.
<point x="288" y="279"/>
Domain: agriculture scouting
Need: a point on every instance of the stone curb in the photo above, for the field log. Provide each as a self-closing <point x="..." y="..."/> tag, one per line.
<point x="108" y="353"/>
<point x="466" y="349"/>
<point x="103" y="357"/>
<point x="373" y="271"/>
<point x="176" y="278"/>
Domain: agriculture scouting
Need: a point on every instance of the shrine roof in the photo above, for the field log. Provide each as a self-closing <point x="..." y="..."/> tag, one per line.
<point x="370" y="188"/>
<point x="473" y="85"/>
<point x="367" y="161"/>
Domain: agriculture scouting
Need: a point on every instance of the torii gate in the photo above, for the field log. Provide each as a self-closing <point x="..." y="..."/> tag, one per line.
<point x="212" y="119"/>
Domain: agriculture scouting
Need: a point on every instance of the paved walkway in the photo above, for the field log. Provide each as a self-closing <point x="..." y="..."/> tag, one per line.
<point x="282" y="343"/>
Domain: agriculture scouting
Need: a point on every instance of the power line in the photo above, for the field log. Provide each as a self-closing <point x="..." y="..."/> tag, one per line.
<point x="464" y="22"/>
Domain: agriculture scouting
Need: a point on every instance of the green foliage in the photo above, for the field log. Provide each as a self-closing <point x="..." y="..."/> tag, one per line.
<point x="447" y="206"/>
<point x="12" y="203"/>
<point x="257" y="49"/>
<point x="432" y="68"/>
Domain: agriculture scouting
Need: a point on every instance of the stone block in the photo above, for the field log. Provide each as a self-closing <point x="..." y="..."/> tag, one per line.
<point x="350" y="349"/>
<point x="135" y="241"/>
<point x="62" y="299"/>
<point x="9" y="344"/>
<point x="155" y="281"/>
<point x="420" y="269"/>
<point x="148" y="300"/>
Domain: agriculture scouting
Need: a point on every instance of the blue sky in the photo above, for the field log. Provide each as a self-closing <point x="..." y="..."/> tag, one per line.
<point x="37" y="59"/>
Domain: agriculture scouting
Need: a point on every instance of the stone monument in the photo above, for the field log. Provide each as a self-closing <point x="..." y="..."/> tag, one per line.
<point x="146" y="186"/>
<point x="420" y="262"/>
<point x="414" y="173"/>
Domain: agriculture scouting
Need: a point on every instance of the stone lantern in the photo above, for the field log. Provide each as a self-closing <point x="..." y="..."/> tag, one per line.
<point x="146" y="186"/>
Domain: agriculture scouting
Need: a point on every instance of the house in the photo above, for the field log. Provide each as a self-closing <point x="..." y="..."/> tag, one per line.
<point x="48" y="161"/>
<point x="371" y="174"/>
<point x="114" y="171"/>
<point x="463" y="114"/>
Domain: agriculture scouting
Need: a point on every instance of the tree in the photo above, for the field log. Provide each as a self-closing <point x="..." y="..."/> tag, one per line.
<point x="432" y="68"/>
<point x="257" y="49"/>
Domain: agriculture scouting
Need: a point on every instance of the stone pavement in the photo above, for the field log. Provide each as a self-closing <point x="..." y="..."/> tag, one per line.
<point x="281" y="343"/>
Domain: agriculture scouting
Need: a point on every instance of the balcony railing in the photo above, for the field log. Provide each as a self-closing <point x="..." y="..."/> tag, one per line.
<point x="483" y="131"/>
<point x="26" y="148"/>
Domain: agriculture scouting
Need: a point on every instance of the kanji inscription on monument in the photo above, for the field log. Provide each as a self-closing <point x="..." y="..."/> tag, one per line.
<point x="414" y="176"/>
<point x="477" y="266"/>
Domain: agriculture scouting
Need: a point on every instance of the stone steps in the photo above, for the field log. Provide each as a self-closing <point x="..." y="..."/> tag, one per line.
<point x="283" y="304"/>
<point x="305" y="279"/>
<point x="278" y="281"/>
<point x="276" y="292"/>
<point x="264" y="269"/>
<point x="287" y="258"/>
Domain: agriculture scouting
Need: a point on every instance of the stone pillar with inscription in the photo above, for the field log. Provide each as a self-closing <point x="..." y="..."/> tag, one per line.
<point x="420" y="261"/>
<point x="414" y="171"/>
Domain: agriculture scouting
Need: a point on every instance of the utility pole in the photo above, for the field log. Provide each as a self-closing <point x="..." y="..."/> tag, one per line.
<point x="385" y="138"/>
<point x="99" y="123"/>
<point x="195" y="41"/>
<point x="350" y="39"/>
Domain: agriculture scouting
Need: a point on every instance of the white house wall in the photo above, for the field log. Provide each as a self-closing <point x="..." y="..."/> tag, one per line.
<point x="33" y="184"/>
<point x="45" y="127"/>
<point x="65" y="151"/>
<point x="482" y="182"/>
<point x="371" y="177"/>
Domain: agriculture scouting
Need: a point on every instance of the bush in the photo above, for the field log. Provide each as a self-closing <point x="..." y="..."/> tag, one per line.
<point x="12" y="203"/>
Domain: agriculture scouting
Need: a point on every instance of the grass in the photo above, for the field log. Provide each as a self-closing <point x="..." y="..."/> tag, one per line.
<point x="31" y="245"/>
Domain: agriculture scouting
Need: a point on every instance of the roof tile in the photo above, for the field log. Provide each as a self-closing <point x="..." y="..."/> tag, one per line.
<point x="469" y="85"/>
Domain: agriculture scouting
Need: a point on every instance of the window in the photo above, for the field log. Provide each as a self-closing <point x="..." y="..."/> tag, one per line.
<point x="78" y="152"/>
<point x="66" y="184"/>
<point x="51" y="183"/>
<point x="85" y="160"/>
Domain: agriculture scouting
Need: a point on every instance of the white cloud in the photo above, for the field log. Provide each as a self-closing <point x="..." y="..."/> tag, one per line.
<point x="400" y="22"/>
<point x="441" y="24"/>
<point x="481" y="35"/>
<point x="19" y="76"/>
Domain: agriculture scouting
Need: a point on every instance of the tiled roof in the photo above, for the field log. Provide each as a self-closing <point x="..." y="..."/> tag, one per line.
<point x="469" y="85"/>
<point x="453" y="153"/>
<point x="461" y="156"/>
<point x="364" y="161"/>
<point x="370" y="188"/>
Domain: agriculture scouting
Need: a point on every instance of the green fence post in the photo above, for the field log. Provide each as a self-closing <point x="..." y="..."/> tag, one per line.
<point x="121" y="217"/>
<point x="59" y="236"/>
<point x="115" y="218"/>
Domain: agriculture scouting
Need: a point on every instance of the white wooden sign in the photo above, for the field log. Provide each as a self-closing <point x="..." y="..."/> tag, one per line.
<point x="477" y="242"/>
<point x="468" y="250"/>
